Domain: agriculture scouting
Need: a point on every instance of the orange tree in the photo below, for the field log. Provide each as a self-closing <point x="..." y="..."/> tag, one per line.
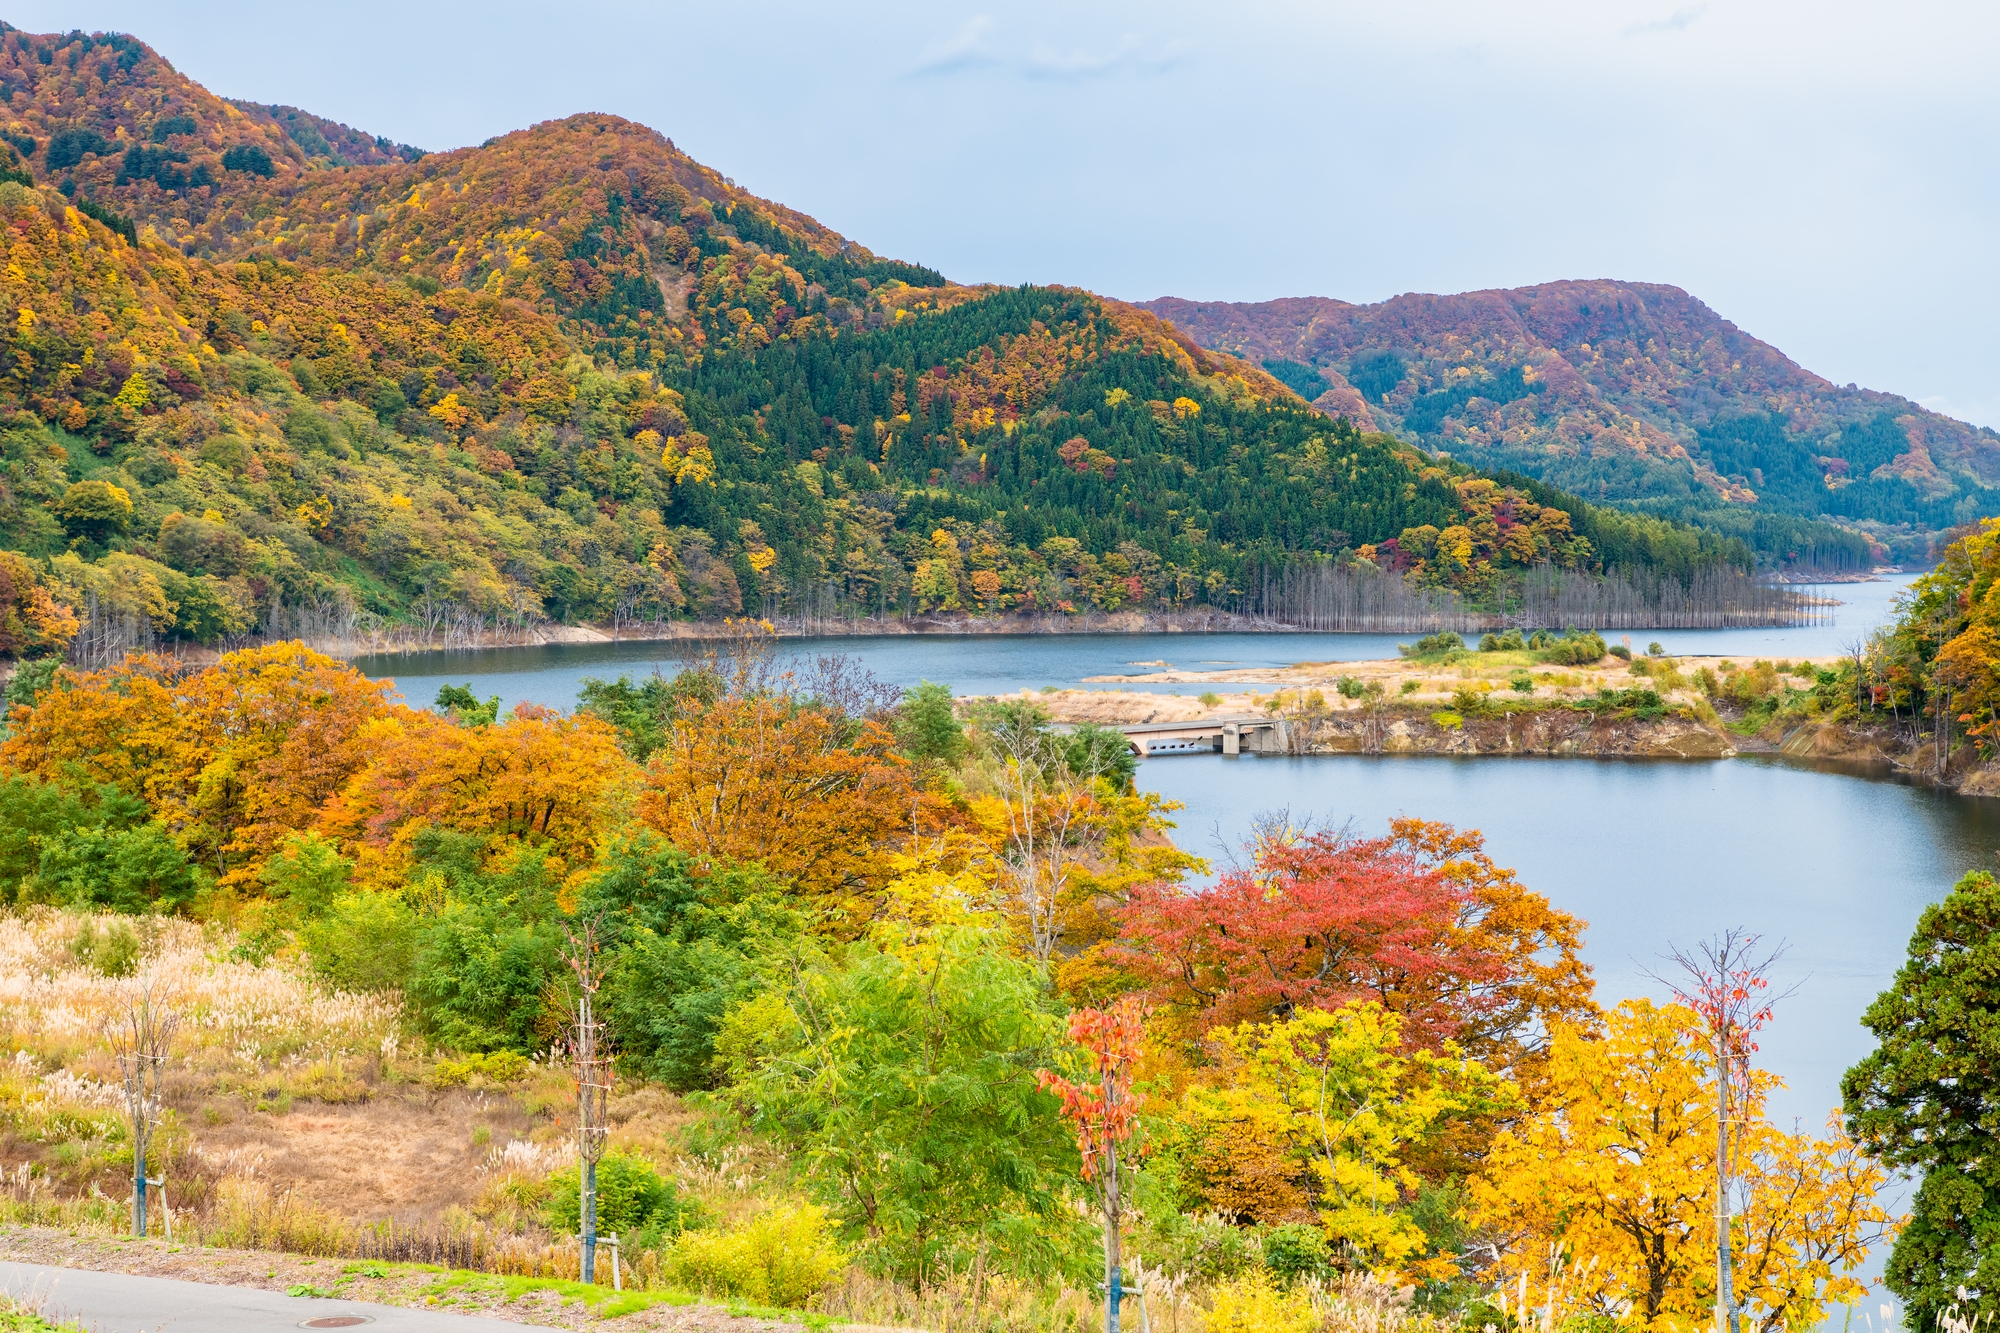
<point x="815" y="796"/>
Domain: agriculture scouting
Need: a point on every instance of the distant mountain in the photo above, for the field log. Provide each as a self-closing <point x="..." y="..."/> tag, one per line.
<point x="264" y="370"/>
<point x="1616" y="391"/>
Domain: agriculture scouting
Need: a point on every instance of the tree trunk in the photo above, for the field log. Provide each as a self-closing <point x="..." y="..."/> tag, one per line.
<point x="588" y="1177"/>
<point x="1725" y="1287"/>
<point x="139" y="1189"/>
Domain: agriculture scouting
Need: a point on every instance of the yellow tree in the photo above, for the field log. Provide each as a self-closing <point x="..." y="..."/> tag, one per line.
<point x="1604" y="1194"/>
<point x="1333" y="1097"/>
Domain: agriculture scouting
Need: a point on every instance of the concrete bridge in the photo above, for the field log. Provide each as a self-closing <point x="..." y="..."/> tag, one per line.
<point x="1215" y="735"/>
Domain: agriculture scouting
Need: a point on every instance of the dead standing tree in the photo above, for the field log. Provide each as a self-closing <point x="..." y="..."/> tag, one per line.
<point x="592" y="1066"/>
<point x="1727" y="982"/>
<point x="141" y="1036"/>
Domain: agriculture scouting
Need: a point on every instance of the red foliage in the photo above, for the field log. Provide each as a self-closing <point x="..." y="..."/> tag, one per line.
<point x="1322" y="921"/>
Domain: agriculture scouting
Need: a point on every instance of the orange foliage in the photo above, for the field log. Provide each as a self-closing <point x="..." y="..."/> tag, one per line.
<point x="232" y="758"/>
<point x="813" y="796"/>
<point x="539" y="779"/>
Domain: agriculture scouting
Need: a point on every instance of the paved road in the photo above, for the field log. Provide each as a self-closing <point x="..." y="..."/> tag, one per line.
<point x="123" y="1303"/>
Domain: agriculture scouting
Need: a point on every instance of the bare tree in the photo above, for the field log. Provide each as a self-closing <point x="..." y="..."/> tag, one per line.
<point x="1726" y="980"/>
<point x="592" y="1066"/>
<point x="1051" y="814"/>
<point x="141" y="1036"/>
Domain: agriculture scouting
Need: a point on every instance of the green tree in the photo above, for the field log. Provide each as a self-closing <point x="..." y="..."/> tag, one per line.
<point x="904" y="1079"/>
<point x="94" y="510"/>
<point x="1927" y="1099"/>
<point x="927" y="727"/>
<point x="683" y="950"/>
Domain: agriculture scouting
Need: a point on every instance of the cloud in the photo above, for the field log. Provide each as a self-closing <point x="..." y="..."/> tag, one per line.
<point x="964" y="49"/>
<point x="1678" y="21"/>
<point x="972" y="47"/>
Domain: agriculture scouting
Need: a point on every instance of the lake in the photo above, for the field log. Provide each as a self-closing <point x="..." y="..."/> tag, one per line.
<point x="1651" y="854"/>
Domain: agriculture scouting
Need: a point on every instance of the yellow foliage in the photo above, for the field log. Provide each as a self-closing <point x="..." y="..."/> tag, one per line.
<point x="1614" y="1170"/>
<point x="1251" y="1304"/>
<point x="782" y="1257"/>
<point x="1331" y="1093"/>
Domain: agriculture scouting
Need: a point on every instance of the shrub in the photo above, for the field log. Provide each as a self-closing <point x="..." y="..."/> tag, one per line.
<point x="1580" y="648"/>
<point x="1433" y="645"/>
<point x="1250" y="1304"/>
<point x="364" y="942"/>
<point x="1654" y="649"/>
<point x="1208" y="698"/>
<point x="1296" y="1251"/>
<point x="495" y="1067"/>
<point x="1411" y="686"/>
<point x="1205" y="1246"/>
<point x="1449" y="719"/>
<point x="1523" y="683"/>
<point x="1479" y="1316"/>
<point x="1350" y="687"/>
<point x="1621" y="651"/>
<point x="781" y="1257"/>
<point x="1469" y="702"/>
<point x="631" y="1198"/>
<point x="1507" y="642"/>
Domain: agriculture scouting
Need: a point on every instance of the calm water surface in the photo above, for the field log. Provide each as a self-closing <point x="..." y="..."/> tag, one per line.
<point x="1650" y="854"/>
<point x="1006" y="664"/>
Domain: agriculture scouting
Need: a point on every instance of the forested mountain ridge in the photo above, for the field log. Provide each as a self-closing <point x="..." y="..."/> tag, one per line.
<point x="572" y="375"/>
<point x="1617" y="391"/>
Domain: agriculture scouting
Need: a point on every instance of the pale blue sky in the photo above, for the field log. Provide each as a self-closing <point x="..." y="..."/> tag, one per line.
<point x="1820" y="173"/>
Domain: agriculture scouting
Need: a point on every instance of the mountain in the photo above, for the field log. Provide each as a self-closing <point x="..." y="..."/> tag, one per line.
<point x="1617" y="391"/>
<point x="268" y="372"/>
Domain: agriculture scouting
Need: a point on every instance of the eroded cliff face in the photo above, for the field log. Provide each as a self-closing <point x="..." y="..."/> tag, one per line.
<point x="1558" y="732"/>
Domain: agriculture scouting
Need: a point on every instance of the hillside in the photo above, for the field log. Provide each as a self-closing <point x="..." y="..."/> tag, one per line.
<point x="273" y="373"/>
<point x="1621" y="392"/>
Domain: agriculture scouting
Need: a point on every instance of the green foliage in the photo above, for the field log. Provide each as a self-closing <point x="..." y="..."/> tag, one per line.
<point x="1508" y="641"/>
<point x="1433" y="645"/>
<point x="252" y="158"/>
<point x="1302" y="380"/>
<point x="363" y="942"/>
<point x="1577" y="648"/>
<point x="1296" y="1251"/>
<point x="119" y="224"/>
<point x="112" y="947"/>
<point x="488" y="940"/>
<point x="902" y="1077"/>
<point x="644" y="713"/>
<point x="683" y="950"/>
<point x="1350" y="687"/>
<point x="29" y="680"/>
<point x="1927" y="1100"/>
<point x="633" y="1200"/>
<point x="1101" y="752"/>
<point x="459" y="703"/>
<point x="1645" y="704"/>
<point x="308" y="873"/>
<point x="927" y="725"/>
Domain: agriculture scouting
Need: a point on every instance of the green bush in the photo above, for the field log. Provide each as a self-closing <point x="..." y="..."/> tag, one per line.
<point x="1523" y="683"/>
<point x="363" y="942"/>
<point x="1579" y="648"/>
<point x="1205" y="1246"/>
<point x="1350" y="687"/>
<point x="1481" y="1315"/>
<point x="1508" y="642"/>
<point x="1296" y="1251"/>
<point x="1621" y="651"/>
<point x="783" y="1257"/>
<point x="1209" y="698"/>
<point x="1433" y="645"/>
<point x="633" y="1200"/>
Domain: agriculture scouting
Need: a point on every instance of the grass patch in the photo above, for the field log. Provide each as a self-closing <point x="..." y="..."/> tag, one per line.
<point x="598" y="1298"/>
